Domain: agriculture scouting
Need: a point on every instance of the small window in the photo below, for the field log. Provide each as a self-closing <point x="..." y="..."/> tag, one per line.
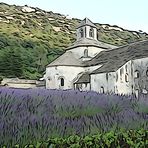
<point x="116" y="76"/>
<point x="121" y="71"/>
<point x="91" y="33"/>
<point x="49" y="78"/>
<point x="137" y="74"/>
<point x="114" y="89"/>
<point x="102" y="89"/>
<point x="121" y="74"/>
<point x="81" y="33"/>
<point x="126" y="68"/>
<point x="126" y="77"/>
<point x="147" y="72"/>
<point x="62" y="81"/>
<point x="86" y="53"/>
<point x="107" y="76"/>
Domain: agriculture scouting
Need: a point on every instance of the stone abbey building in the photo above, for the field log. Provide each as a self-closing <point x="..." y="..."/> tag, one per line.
<point x="92" y="65"/>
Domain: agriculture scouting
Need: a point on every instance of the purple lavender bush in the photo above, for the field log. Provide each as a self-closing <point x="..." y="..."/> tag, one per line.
<point x="28" y="116"/>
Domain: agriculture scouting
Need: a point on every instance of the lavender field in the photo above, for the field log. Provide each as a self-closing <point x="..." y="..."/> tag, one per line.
<point x="28" y="116"/>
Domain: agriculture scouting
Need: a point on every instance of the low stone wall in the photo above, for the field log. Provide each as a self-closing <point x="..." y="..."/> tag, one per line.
<point x="21" y="83"/>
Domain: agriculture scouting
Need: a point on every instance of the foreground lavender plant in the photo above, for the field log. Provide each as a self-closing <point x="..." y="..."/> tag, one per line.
<point x="27" y="116"/>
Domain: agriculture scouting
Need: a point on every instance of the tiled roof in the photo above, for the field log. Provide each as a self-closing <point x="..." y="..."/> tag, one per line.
<point x="84" y="78"/>
<point x="86" y="22"/>
<point x="113" y="59"/>
<point x="91" y="42"/>
<point x="67" y="59"/>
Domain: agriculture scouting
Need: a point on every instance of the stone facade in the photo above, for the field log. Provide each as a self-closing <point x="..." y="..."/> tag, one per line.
<point x="131" y="78"/>
<point x="140" y="77"/>
<point x="56" y="74"/>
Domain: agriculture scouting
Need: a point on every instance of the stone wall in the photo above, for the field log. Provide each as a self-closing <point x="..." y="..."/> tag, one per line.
<point x="103" y="82"/>
<point x="68" y="73"/>
<point x="22" y="83"/>
<point x="140" y="70"/>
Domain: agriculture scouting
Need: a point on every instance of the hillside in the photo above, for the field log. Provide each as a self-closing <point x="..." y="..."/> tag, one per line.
<point x="30" y="38"/>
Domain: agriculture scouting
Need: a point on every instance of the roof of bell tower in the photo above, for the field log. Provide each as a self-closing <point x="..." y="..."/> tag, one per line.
<point x="86" y="22"/>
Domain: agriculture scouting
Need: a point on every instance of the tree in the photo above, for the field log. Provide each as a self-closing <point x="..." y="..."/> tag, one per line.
<point x="1" y="79"/>
<point x="11" y="63"/>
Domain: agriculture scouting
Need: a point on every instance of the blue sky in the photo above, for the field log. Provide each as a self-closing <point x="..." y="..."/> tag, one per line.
<point x="129" y="14"/>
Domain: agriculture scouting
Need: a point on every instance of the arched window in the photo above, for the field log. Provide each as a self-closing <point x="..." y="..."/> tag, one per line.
<point x="81" y="33"/>
<point x="126" y="68"/>
<point x="136" y="74"/>
<point x="147" y="72"/>
<point x="102" y="89"/>
<point x="116" y="76"/>
<point x="6" y="84"/>
<point x="49" y="78"/>
<point x="62" y="81"/>
<point x="126" y="77"/>
<point x="91" y="33"/>
<point x="86" y="53"/>
<point x="121" y="74"/>
<point x="107" y="76"/>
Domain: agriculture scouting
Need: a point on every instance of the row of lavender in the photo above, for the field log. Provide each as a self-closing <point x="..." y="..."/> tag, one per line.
<point x="27" y="116"/>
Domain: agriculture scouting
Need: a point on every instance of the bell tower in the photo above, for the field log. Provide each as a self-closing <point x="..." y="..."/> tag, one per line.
<point x="86" y="29"/>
